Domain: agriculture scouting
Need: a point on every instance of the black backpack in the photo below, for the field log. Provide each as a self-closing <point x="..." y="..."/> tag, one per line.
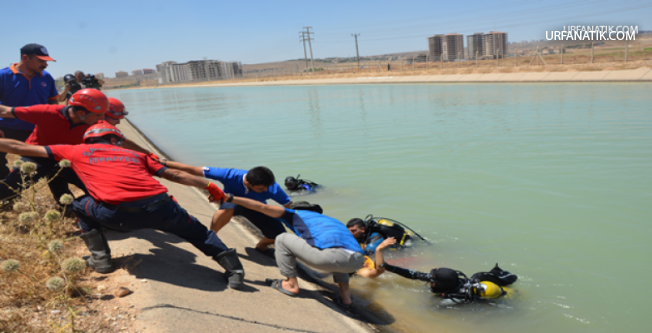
<point x="305" y="205"/>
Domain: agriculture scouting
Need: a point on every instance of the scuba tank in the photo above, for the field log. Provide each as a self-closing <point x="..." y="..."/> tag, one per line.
<point x="483" y="285"/>
<point x="387" y="227"/>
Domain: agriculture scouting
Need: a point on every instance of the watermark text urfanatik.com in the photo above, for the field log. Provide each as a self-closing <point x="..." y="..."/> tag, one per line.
<point x="597" y="32"/>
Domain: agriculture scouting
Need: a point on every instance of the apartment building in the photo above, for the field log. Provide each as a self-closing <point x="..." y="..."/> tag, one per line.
<point x="198" y="70"/>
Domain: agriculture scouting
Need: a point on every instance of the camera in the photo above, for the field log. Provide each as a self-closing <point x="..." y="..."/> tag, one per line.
<point x="89" y="81"/>
<point x="70" y="80"/>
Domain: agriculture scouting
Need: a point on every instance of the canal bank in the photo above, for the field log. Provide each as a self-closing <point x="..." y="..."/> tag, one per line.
<point x="642" y="74"/>
<point x="178" y="289"/>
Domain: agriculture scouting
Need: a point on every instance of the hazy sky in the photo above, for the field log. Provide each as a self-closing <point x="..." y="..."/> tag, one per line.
<point x="126" y="35"/>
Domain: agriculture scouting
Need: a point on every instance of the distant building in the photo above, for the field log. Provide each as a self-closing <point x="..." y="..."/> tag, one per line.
<point x="137" y="72"/>
<point x="121" y="74"/>
<point x="198" y="70"/>
<point x="495" y="43"/>
<point x="148" y="71"/>
<point x="475" y="45"/>
<point x="453" y="47"/>
<point x="434" y="47"/>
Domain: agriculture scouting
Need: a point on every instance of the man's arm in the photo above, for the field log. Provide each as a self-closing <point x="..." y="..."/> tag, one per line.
<point x="21" y="148"/>
<point x="380" y="259"/>
<point x="269" y="210"/>
<point x="134" y="146"/>
<point x="5" y="112"/>
<point x="64" y="93"/>
<point x="379" y="252"/>
<point x="184" y="178"/>
<point x="193" y="170"/>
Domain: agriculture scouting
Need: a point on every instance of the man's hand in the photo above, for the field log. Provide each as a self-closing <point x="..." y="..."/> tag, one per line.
<point x="387" y="242"/>
<point x="216" y="194"/>
<point x="154" y="157"/>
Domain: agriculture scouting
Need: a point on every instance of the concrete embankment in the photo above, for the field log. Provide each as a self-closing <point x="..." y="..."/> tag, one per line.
<point x="178" y="289"/>
<point x="633" y="75"/>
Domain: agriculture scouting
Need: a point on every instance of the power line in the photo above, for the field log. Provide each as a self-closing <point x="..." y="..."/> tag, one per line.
<point x="526" y="21"/>
<point x="482" y="18"/>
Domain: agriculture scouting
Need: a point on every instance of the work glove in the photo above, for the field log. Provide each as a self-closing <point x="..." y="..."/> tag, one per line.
<point x="154" y="157"/>
<point x="215" y="192"/>
<point x="157" y="159"/>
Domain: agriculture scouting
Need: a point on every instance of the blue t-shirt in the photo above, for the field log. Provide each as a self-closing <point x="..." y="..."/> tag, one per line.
<point x="233" y="181"/>
<point x="319" y="230"/>
<point x="17" y="90"/>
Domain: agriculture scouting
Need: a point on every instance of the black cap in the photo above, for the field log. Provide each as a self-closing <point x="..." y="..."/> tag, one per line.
<point x="36" y="49"/>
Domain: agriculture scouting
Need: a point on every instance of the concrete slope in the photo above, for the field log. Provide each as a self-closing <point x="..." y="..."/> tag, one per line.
<point x="178" y="289"/>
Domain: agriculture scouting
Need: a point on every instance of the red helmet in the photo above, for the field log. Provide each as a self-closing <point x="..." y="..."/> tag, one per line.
<point x="116" y="109"/>
<point x="92" y="100"/>
<point x="101" y="129"/>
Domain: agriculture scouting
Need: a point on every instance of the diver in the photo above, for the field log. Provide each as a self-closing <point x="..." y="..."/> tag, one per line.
<point x="371" y="232"/>
<point x="451" y="285"/>
<point x="456" y="288"/>
<point x="300" y="185"/>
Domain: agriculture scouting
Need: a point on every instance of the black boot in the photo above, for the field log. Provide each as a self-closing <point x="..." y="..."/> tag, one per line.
<point x="231" y="263"/>
<point x="100" y="258"/>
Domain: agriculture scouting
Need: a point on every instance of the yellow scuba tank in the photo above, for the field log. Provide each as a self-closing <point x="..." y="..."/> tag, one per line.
<point x="385" y="222"/>
<point x="406" y="233"/>
<point x="488" y="289"/>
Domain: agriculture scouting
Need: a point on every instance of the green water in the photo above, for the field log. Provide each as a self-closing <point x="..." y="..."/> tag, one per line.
<point x="552" y="181"/>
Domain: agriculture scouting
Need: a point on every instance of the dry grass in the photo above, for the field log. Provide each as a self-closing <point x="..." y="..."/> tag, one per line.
<point x="28" y="305"/>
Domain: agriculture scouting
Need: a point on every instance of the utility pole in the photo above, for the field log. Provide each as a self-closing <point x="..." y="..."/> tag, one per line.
<point x="357" y="54"/>
<point x="561" y="54"/>
<point x="308" y="33"/>
<point x="497" y="57"/>
<point x="591" y="51"/>
<point x="626" y="47"/>
<point x="305" y="55"/>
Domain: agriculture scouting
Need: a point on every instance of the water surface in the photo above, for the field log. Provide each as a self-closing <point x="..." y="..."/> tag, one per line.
<point x="552" y="181"/>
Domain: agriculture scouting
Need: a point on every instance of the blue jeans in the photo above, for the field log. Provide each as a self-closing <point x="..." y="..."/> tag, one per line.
<point x="169" y="217"/>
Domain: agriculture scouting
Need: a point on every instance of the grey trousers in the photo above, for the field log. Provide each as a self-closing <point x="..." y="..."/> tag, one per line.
<point x="339" y="261"/>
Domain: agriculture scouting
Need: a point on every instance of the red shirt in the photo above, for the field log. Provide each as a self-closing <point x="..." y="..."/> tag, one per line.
<point x="112" y="174"/>
<point x="53" y="125"/>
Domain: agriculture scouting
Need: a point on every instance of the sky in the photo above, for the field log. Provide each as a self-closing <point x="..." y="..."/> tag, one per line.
<point x="106" y="37"/>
